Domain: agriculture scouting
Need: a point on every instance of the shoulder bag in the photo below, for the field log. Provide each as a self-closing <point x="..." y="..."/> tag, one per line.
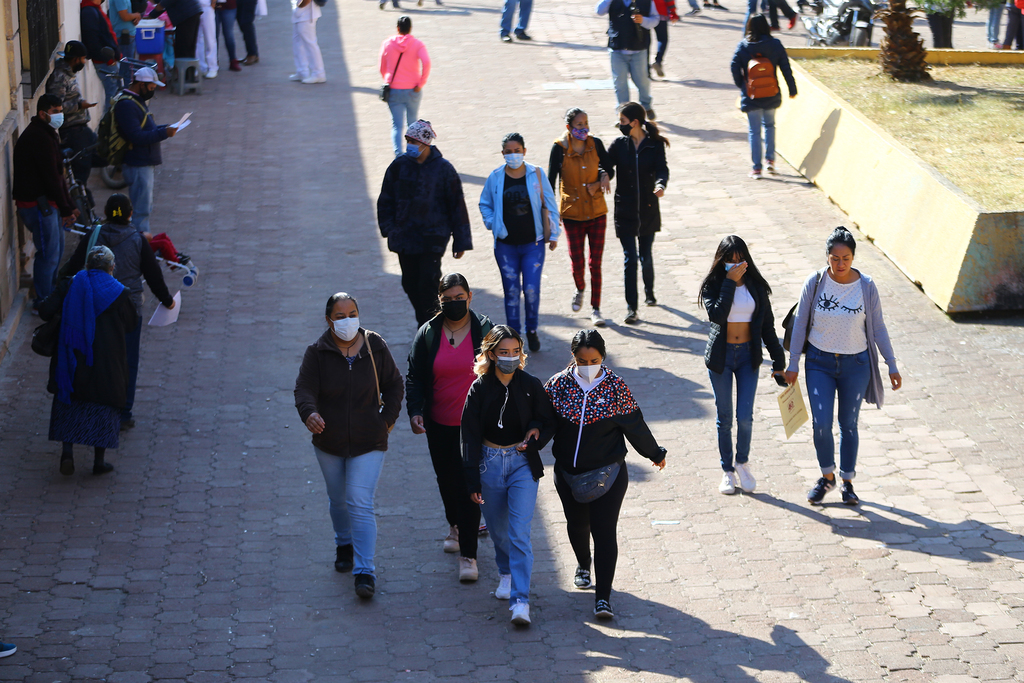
<point x="385" y="90"/>
<point x="790" y="319"/>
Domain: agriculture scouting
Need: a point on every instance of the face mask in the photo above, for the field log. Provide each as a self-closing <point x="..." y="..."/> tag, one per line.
<point x="514" y="160"/>
<point x="507" y="365"/>
<point x="580" y="133"/>
<point x="57" y="120"/>
<point x="455" y="310"/>
<point x="147" y="95"/>
<point x="730" y="266"/>
<point x="588" y="372"/>
<point x="625" y="128"/>
<point x="412" y="150"/>
<point x="346" y="328"/>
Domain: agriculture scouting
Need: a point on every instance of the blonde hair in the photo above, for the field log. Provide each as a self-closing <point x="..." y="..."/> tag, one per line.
<point x="498" y="334"/>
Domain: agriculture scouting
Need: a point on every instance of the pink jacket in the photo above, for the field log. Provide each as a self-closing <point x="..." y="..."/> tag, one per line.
<point x="410" y="74"/>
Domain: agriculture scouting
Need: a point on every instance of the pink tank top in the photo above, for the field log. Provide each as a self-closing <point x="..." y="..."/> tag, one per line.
<point x="453" y="375"/>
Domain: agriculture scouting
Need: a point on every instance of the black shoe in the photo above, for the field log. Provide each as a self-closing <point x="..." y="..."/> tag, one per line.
<point x="482" y="531"/>
<point x="849" y="497"/>
<point x="695" y="11"/>
<point x="651" y="116"/>
<point x="102" y="468"/>
<point x="631" y="317"/>
<point x="506" y="38"/>
<point x="533" y="340"/>
<point x="364" y="586"/>
<point x="582" y="580"/>
<point x="522" y="35"/>
<point x="603" y="610"/>
<point x="817" y="494"/>
<point x="127" y="424"/>
<point x="67" y="466"/>
<point x="717" y="6"/>
<point x="343" y="559"/>
<point x="658" y="70"/>
<point x="650" y="300"/>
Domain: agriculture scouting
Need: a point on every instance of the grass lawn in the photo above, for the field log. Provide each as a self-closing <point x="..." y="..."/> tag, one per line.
<point x="968" y="122"/>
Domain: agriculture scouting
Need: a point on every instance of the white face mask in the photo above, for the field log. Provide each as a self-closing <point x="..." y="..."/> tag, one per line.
<point x="514" y="160"/>
<point x="57" y="120"/>
<point x="346" y="328"/>
<point x="588" y="372"/>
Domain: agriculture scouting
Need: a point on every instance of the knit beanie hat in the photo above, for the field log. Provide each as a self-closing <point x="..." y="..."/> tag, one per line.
<point x="421" y="132"/>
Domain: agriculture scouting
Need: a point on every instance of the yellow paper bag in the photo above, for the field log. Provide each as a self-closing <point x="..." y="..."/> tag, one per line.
<point x="794" y="410"/>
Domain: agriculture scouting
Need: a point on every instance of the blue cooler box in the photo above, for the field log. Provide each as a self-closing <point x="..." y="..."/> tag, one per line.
<point x="149" y="37"/>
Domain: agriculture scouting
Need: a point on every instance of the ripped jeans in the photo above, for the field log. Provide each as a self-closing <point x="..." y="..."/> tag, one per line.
<point x="829" y="374"/>
<point x="520" y="266"/>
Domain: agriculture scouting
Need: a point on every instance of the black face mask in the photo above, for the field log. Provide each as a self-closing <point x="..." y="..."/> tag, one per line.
<point x="77" y="67"/>
<point x="455" y="310"/>
<point x="147" y="94"/>
<point x="626" y="128"/>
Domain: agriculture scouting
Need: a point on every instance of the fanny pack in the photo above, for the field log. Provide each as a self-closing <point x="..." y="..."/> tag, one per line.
<point x="589" y="486"/>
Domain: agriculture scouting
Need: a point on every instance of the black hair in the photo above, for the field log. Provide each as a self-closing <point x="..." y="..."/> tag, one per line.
<point x="588" y="339"/>
<point x="757" y="28"/>
<point x="571" y="115"/>
<point x="453" y="280"/>
<point x="516" y="137"/>
<point x="634" y="111"/>
<point x="48" y="101"/>
<point x="841" y="236"/>
<point x="118" y="209"/>
<point x="733" y="244"/>
<point x="404" y="25"/>
<point x="335" y="298"/>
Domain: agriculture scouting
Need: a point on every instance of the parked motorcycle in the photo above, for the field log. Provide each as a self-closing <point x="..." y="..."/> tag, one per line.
<point x="839" y="22"/>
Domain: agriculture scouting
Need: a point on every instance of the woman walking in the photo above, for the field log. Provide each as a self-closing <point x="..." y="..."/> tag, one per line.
<point x="639" y="158"/>
<point x="349" y="395"/>
<point x="506" y="421"/>
<point x="596" y="413"/>
<point x="839" y="329"/>
<point x="735" y="295"/>
<point x="440" y="373"/>
<point x="760" y="94"/>
<point x="89" y="372"/>
<point x="518" y="206"/>
<point x="405" y="67"/>
<point x="582" y="163"/>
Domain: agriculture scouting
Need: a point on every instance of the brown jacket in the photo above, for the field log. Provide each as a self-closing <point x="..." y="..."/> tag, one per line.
<point x="576" y="202"/>
<point x="346" y="396"/>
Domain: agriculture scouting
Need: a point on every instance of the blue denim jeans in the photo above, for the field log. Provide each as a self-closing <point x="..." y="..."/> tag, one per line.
<point x="351" y="486"/>
<point x="132" y="340"/>
<point x="521" y="267"/>
<point x="510" y="496"/>
<point x="48" y="238"/>
<point x="226" y="27"/>
<point x="508" y="9"/>
<point x="631" y="255"/>
<point x="756" y="119"/>
<point x="110" y="77"/>
<point x="995" y="17"/>
<point x="751" y="11"/>
<point x="737" y="363"/>
<point x="625" y="66"/>
<point x="404" y="104"/>
<point x="829" y="374"/>
<point x="140" y="192"/>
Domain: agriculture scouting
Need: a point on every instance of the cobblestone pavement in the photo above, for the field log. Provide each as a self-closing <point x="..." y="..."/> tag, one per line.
<point x="206" y="556"/>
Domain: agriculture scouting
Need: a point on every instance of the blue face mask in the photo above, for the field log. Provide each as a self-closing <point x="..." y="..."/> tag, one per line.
<point x="514" y="160"/>
<point x="412" y="150"/>
<point x="730" y="266"/>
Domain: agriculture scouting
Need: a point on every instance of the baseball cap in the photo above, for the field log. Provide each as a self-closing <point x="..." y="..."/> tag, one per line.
<point x="147" y="75"/>
<point x="73" y="49"/>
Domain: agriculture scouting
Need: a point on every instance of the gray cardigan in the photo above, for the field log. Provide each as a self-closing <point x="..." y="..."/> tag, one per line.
<point x="878" y="336"/>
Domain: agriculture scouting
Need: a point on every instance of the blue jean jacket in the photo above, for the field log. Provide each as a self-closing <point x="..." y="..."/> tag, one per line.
<point x="491" y="202"/>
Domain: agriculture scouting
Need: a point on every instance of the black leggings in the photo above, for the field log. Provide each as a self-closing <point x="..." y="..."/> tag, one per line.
<point x="598" y="519"/>
<point x="445" y="444"/>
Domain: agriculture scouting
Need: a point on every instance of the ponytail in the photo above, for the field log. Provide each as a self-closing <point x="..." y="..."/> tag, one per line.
<point x="655" y="134"/>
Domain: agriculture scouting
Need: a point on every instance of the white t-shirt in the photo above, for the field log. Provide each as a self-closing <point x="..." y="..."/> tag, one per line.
<point x="743" y="305"/>
<point x="839" y="318"/>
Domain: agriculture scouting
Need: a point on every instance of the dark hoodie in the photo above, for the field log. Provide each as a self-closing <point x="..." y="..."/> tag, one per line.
<point x="766" y="47"/>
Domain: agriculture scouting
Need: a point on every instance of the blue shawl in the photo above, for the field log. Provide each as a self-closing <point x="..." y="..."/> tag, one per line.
<point x="91" y="293"/>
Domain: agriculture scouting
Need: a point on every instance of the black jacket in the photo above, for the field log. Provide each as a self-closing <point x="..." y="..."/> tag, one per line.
<point x="534" y="408"/>
<point x="106" y="380"/>
<point x="637" y="211"/>
<point x="98" y="34"/>
<point x="419" y="381"/>
<point x="39" y="167"/>
<point x="421" y="206"/>
<point x="718" y="301"/>
<point x="623" y="32"/>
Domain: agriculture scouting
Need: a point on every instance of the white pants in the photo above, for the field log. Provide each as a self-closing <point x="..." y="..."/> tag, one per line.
<point x="206" y="42"/>
<point x="309" y="63"/>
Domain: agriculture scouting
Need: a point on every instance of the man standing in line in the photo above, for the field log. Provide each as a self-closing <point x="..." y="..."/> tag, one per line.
<point x="309" y="62"/>
<point x="40" y="191"/>
<point x="63" y="83"/>
<point x="629" y="38"/>
<point x="420" y="207"/>
<point x="185" y="15"/>
<point x="123" y="21"/>
<point x="97" y="34"/>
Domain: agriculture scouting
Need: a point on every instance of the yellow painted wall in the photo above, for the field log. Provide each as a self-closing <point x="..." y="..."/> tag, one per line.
<point x="933" y="56"/>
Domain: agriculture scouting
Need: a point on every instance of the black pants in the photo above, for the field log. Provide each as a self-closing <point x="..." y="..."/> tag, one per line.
<point x="246" y="17"/>
<point x="445" y="444"/>
<point x="661" y="33"/>
<point x="1014" y="27"/>
<point x="185" y="36"/>
<point x="942" y="29"/>
<point x="774" y="7"/>
<point x="421" y="274"/>
<point x="634" y="249"/>
<point x="598" y="519"/>
<point x="78" y="138"/>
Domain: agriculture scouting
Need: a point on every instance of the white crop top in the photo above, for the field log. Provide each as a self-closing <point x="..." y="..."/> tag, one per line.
<point x="742" y="310"/>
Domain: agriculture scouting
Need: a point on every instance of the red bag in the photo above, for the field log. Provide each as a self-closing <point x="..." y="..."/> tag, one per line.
<point x="761" y="80"/>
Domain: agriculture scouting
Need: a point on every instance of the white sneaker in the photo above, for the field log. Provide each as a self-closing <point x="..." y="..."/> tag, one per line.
<point x="210" y="74"/>
<point x="467" y="570"/>
<point x="451" y="541"/>
<point x="314" y="79"/>
<point x="504" y="589"/>
<point x="521" y="613"/>
<point x="747" y="481"/>
<point x="728" y="485"/>
<point x="296" y="77"/>
<point x="596" y="319"/>
<point x="577" y="300"/>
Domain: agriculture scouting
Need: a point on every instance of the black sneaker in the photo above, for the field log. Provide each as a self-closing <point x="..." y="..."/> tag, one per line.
<point x="533" y="339"/>
<point x="650" y="115"/>
<point x="523" y="35"/>
<point x="102" y="468"/>
<point x="817" y="494"/>
<point x="343" y="559"/>
<point x="695" y="11"/>
<point x="631" y="317"/>
<point x="603" y="610"/>
<point x="658" y="69"/>
<point x="482" y="531"/>
<point x="582" y="580"/>
<point x="650" y="300"/>
<point x="364" y="586"/>
<point x="849" y="497"/>
<point x="506" y="38"/>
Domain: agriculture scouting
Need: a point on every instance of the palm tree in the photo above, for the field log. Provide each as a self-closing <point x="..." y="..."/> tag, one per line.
<point x="902" y="53"/>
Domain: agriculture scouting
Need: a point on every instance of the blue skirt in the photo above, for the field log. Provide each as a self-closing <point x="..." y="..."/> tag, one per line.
<point x="89" y="424"/>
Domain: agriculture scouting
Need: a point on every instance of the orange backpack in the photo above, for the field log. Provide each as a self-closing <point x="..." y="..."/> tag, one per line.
<point x="761" y="80"/>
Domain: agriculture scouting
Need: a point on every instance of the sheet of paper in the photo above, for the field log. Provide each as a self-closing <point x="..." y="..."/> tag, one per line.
<point x="180" y="126"/>
<point x="794" y="410"/>
<point x="163" y="316"/>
